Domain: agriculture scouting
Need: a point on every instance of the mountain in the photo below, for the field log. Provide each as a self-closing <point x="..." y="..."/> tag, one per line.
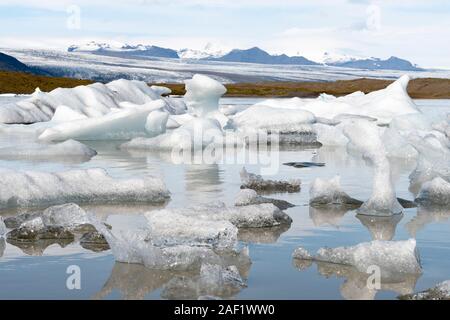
<point x="256" y="55"/>
<point x="9" y="63"/>
<point x="125" y="50"/>
<point x="393" y="63"/>
<point x="209" y="51"/>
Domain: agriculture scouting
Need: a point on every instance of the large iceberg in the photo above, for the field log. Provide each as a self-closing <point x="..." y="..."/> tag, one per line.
<point x="93" y="100"/>
<point x="392" y="257"/>
<point x="34" y="188"/>
<point x="364" y="136"/>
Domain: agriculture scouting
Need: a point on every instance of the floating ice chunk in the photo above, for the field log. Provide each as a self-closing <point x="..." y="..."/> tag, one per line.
<point x="249" y="196"/>
<point x="256" y="182"/>
<point x="251" y="216"/>
<point x="177" y="120"/>
<point x="67" y="149"/>
<point x="397" y="146"/>
<point x="156" y="123"/>
<point x="168" y="229"/>
<point x="67" y="215"/>
<point x="439" y="292"/>
<point x="329" y="192"/>
<point x="113" y="126"/>
<point x="301" y="253"/>
<point x="435" y="193"/>
<point x="193" y="135"/>
<point x="365" y="137"/>
<point x="392" y="257"/>
<point x="2" y="227"/>
<point x="33" y="188"/>
<point x="203" y="94"/>
<point x="33" y="224"/>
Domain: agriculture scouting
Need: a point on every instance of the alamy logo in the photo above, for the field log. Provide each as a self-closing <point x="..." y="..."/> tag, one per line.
<point x="374" y="280"/>
<point x="73" y="282"/>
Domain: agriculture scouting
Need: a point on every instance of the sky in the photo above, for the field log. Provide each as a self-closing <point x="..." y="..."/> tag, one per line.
<point x="415" y="30"/>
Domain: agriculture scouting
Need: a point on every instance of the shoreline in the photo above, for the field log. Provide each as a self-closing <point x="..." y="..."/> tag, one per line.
<point x="420" y="88"/>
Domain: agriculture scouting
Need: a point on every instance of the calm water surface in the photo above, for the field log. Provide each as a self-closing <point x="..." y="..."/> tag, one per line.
<point x="37" y="272"/>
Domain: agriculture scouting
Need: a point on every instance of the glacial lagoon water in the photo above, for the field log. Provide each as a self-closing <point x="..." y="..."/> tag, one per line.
<point x="34" y="272"/>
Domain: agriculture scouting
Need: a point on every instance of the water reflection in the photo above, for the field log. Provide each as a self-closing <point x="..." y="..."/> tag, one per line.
<point x="2" y="246"/>
<point x="135" y="281"/>
<point x="327" y="215"/>
<point x="262" y="235"/>
<point x="37" y="248"/>
<point x="355" y="283"/>
<point x="426" y="216"/>
<point x="381" y="228"/>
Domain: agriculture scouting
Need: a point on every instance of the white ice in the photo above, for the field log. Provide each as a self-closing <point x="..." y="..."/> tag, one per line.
<point x="364" y="136"/>
<point x="116" y="125"/>
<point x="392" y="257"/>
<point x="34" y="188"/>
<point x="435" y="193"/>
<point x="67" y="215"/>
<point x="329" y="192"/>
<point x="203" y="94"/>
<point x="253" y="181"/>
<point x="168" y="228"/>
<point x="156" y="123"/>
<point x="2" y="227"/>
<point x="251" y="216"/>
<point x="66" y="149"/>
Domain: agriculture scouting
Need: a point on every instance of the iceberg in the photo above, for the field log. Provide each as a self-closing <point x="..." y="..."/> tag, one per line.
<point x="329" y="192"/>
<point x="156" y="123"/>
<point x="169" y="229"/>
<point x="68" y="215"/>
<point x="34" y="188"/>
<point x="435" y="193"/>
<point x="248" y="197"/>
<point x="392" y="257"/>
<point x="364" y="136"/>
<point x="69" y="150"/>
<point x="250" y="216"/>
<point x="117" y="125"/>
<point x="92" y="100"/>
<point x="256" y="182"/>
<point x="203" y="94"/>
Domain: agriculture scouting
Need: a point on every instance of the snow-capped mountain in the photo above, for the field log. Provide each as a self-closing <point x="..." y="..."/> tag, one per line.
<point x="209" y="51"/>
<point x="331" y="58"/>
<point x="125" y="49"/>
<point x="257" y="55"/>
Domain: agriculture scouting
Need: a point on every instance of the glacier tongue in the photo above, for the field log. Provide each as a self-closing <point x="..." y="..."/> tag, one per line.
<point x="34" y="188"/>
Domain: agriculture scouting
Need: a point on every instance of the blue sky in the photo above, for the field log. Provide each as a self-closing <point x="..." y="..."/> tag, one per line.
<point x="416" y="30"/>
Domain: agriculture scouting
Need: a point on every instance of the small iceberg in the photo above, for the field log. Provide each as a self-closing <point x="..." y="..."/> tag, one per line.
<point x="439" y="292"/>
<point x="258" y="183"/>
<point x="392" y="257"/>
<point x="329" y="192"/>
<point x="435" y="193"/>
<point x="34" y="188"/>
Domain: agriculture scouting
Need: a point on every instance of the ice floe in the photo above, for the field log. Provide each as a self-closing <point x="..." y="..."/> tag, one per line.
<point x="435" y="193"/>
<point x="256" y="182"/>
<point x="329" y="192"/>
<point x="34" y="188"/>
<point x="169" y="229"/>
<point x="70" y="150"/>
<point x="392" y="257"/>
<point x="249" y="196"/>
